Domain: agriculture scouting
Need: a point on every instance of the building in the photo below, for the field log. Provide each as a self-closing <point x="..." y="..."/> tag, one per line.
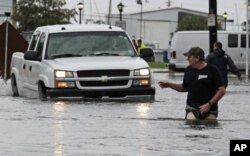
<point x="6" y="6"/>
<point x="157" y="26"/>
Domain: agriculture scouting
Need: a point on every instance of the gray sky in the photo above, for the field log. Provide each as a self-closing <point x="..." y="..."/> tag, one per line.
<point x="236" y="9"/>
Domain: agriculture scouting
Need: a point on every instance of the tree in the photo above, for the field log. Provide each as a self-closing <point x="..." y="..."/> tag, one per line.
<point x="29" y="14"/>
<point x="193" y="22"/>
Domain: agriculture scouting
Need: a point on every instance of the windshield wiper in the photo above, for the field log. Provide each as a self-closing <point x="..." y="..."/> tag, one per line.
<point x="66" y="55"/>
<point x="104" y="54"/>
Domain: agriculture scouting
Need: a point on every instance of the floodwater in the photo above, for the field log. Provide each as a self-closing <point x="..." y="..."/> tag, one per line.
<point x="29" y="127"/>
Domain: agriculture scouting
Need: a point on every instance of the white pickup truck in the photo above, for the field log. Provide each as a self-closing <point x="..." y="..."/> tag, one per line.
<point x="82" y="61"/>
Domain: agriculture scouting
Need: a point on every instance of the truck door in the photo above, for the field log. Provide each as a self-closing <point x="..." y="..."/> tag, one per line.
<point x="35" y="66"/>
<point x="27" y="64"/>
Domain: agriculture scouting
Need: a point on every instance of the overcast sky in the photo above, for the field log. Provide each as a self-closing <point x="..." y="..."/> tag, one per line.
<point x="236" y="9"/>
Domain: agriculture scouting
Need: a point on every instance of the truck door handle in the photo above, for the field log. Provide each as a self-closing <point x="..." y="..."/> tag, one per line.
<point x="24" y="66"/>
<point x="30" y="68"/>
<point x="241" y="54"/>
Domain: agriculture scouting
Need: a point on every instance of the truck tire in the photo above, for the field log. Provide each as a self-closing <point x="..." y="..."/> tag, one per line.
<point x="152" y="98"/>
<point x="14" y="86"/>
<point x="172" y="67"/>
<point x="42" y="94"/>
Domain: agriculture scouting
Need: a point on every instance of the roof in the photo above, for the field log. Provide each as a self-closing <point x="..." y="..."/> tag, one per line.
<point x="169" y="9"/>
<point x="79" y="27"/>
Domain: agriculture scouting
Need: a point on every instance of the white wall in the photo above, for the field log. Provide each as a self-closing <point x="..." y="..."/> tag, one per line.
<point x="157" y="25"/>
<point x="5" y="6"/>
<point x="156" y="32"/>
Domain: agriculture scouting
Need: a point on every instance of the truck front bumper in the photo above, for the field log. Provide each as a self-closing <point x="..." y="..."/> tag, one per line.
<point x="74" y="92"/>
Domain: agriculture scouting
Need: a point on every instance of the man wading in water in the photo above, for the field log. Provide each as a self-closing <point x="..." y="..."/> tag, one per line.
<point x="204" y="85"/>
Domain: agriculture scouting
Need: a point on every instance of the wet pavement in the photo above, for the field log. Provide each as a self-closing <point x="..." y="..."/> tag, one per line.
<point x="30" y="127"/>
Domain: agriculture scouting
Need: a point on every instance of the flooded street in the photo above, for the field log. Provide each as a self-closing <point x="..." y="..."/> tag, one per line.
<point x="30" y="127"/>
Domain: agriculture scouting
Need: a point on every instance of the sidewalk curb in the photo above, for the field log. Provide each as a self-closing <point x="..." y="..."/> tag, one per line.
<point x="159" y="70"/>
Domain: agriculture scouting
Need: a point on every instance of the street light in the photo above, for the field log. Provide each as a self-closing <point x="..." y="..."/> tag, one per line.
<point x="225" y="20"/>
<point x="80" y="7"/>
<point x="120" y="8"/>
<point x="140" y="3"/>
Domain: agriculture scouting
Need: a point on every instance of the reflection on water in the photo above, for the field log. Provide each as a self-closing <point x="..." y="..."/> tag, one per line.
<point x="58" y="111"/>
<point x="143" y="109"/>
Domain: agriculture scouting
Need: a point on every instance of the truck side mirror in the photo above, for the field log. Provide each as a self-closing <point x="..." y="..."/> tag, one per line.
<point x="146" y="54"/>
<point x="31" y="55"/>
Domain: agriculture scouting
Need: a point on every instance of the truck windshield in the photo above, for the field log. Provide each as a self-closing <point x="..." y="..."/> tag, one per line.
<point x="77" y="44"/>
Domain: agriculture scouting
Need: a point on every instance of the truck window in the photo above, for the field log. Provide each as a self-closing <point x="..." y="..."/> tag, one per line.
<point x="233" y="40"/>
<point x="34" y="40"/>
<point x="243" y="41"/>
<point x="89" y="44"/>
<point x="40" y="45"/>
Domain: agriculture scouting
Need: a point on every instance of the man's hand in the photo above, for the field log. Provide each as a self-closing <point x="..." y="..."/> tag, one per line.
<point x="205" y="107"/>
<point x="164" y="84"/>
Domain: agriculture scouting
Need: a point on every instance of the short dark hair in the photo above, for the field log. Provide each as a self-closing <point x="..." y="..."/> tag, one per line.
<point x="218" y="44"/>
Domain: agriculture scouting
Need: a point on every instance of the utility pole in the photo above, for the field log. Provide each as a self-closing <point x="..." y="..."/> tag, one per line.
<point x="140" y="3"/>
<point x="169" y="3"/>
<point x="14" y="6"/>
<point x="109" y="14"/>
<point x="212" y="23"/>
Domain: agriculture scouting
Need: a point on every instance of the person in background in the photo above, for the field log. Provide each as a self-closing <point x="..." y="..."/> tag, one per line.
<point x="140" y="45"/>
<point x="222" y="61"/>
<point x="204" y="85"/>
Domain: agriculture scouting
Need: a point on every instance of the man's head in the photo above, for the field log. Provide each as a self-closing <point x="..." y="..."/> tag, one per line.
<point x="139" y="41"/>
<point x="196" y="52"/>
<point x="217" y="45"/>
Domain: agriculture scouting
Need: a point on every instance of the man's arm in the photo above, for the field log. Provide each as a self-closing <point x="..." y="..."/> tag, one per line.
<point x="233" y="68"/>
<point x="217" y="96"/>
<point x="176" y="86"/>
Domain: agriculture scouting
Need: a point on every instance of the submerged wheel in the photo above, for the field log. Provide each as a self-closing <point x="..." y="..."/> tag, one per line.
<point x="14" y="86"/>
<point x="42" y="94"/>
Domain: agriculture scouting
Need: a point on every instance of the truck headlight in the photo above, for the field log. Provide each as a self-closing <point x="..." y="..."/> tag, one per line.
<point x="60" y="84"/>
<point x="141" y="72"/>
<point x="143" y="81"/>
<point x="63" y="74"/>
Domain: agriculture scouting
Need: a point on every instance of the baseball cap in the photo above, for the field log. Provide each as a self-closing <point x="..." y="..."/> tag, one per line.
<point x="195" y="51"/>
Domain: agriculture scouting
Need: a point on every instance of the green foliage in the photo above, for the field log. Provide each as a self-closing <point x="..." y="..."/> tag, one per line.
<point x="193" y="22"/>
<point x="157" y="65"/>
<point x="30" y="14"/>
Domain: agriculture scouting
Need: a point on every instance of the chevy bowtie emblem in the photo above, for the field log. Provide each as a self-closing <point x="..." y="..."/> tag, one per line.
<point x="104" y="78"/>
